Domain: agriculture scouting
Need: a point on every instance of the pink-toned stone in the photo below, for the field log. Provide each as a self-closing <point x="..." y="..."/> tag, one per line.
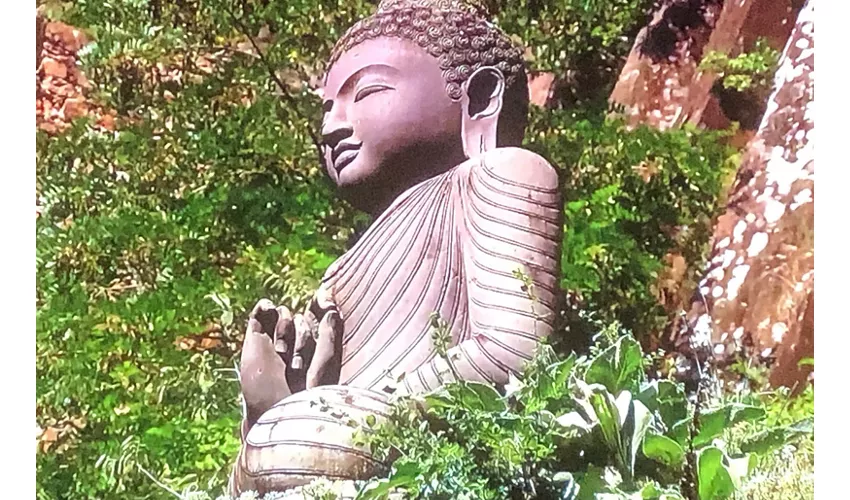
<point x="540" y="88"/>
<point x="456" y="278"/>
<point x="72" y="38"/>
<point x="766" y="287"/>
<point x="74" y="107"/>
<point x="668" y="93"/>
<point x="39" y="39"/>
<point x="54" y="68"/>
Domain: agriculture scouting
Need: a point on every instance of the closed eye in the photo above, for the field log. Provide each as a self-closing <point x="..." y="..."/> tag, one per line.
<point x="371" y="89"/>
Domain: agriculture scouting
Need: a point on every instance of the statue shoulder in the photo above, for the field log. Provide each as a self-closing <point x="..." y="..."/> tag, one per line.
<point x="520" y="167"/>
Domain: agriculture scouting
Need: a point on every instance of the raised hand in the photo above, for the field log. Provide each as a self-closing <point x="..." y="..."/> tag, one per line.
<point x="262" y="371"/>
<point x="284" y="353"/>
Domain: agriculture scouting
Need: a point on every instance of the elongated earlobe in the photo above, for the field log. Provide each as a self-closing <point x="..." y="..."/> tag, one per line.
<point x="481" y="102"/>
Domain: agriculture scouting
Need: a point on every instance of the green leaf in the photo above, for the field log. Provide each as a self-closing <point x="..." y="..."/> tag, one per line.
<point x="478" y="396"/>
<point x="439" y="399"/>
<point x="619" y="367"/>
<point x="404" y="475"/>
<point x="713" y="422"/>
<point x="773" y="439"/>
<point x="165" y="431"/>
<point x="560" y="372"/>
<point x="226" y="318"/>
<point x="680" y="432"/>
<point x="740" y="468"/>
<point x="652" y="491"/>
<point x="635" y="425"/>
<point x="550" y="384"/>
<point x="570" y="489"/>
<point x="597" y="480"/>
<point x="575" y="422"/>
<point x="649" y="491"/>
<point x="715" y="483"/>
<point x="672" y="402"/>
<point x="665" y="450"/>
<point x="609" y="422"/>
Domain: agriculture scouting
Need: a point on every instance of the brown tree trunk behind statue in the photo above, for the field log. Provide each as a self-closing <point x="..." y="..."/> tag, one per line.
<point x="757" y="296"/>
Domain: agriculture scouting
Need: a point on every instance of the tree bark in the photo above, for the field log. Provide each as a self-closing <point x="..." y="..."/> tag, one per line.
<point x="757" y="295"/>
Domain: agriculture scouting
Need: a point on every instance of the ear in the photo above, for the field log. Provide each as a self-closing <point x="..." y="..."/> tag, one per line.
<point x="483" y="93"/>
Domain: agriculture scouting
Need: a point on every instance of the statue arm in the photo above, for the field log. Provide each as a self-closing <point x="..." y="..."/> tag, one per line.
<point x="512" y="232"/>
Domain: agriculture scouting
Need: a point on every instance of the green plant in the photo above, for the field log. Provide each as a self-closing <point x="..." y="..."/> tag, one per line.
<point x="631" y="198"/>
<point x="157" y="237"/>
<point x="752" y="70"/>
<point x="575" y="428"/>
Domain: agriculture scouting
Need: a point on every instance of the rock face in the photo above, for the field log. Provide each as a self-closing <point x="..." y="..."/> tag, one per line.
<point x="757" y="293"/>
<point x="39" y="39"/>
<point x="757" y="296"/>
<point x="661" y="84"/>
<point x="60" y="84"/>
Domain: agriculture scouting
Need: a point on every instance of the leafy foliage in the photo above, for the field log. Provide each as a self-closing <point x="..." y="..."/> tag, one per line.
<point x="631" y="197"/>
<point x="157" y="237"/>
<point x="161" y="235"/>
<point x="557" y="435"/>
<point x="585" y="40"/>
<point x="752" y="70"/>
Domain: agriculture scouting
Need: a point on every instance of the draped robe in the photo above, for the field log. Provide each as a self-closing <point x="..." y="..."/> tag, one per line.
<point x="477" y="247"/>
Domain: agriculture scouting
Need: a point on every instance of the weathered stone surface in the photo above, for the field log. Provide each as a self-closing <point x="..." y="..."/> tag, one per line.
<point x="540" y="86"/>
<point x="70" y="37"/>
<point x="456" y="279"/>
<point x="309" y="435"/>
<point x="39" y="38"/>
<point x="60" y="84"/>
<point x="661" y="84"/>
<point x="755" y="297"/>
<point x="53" y="68"/>
<point x="73" y="107"/>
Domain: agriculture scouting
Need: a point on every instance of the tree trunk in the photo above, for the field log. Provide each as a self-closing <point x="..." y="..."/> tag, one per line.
<point x="757" y="295"/>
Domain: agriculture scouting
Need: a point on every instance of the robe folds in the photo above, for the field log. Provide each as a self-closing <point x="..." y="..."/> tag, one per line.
<point x="475" y="252"/>
<point x="477" y="247"/>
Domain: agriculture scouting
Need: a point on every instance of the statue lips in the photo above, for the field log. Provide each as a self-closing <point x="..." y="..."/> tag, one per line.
<point x="343" y="154"/>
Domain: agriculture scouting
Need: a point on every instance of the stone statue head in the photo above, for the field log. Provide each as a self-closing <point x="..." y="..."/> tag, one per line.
<point x="414" y="90"/>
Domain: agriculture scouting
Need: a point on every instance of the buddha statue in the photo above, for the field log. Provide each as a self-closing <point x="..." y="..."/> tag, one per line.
<point x="425" y="109"/>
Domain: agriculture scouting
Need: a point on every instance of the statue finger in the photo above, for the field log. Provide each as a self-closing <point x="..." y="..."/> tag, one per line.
<point x="304" y="342"/>
<point x="284" y="332"/>
<point x="265" y="314"/>
<point x="327" y="360"/>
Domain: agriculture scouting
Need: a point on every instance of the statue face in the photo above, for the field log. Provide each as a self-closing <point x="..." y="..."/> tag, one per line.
<point x="388" y="121"/>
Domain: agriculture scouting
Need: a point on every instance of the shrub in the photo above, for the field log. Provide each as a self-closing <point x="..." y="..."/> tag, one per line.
<point x="575" y="428"/>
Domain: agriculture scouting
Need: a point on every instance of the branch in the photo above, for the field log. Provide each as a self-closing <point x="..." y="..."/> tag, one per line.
<point x="283" y="90"/>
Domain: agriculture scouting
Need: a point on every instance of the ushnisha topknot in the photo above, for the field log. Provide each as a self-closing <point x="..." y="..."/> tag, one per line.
<point x="479" y="7"/>
<point x="456" y="32"/>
